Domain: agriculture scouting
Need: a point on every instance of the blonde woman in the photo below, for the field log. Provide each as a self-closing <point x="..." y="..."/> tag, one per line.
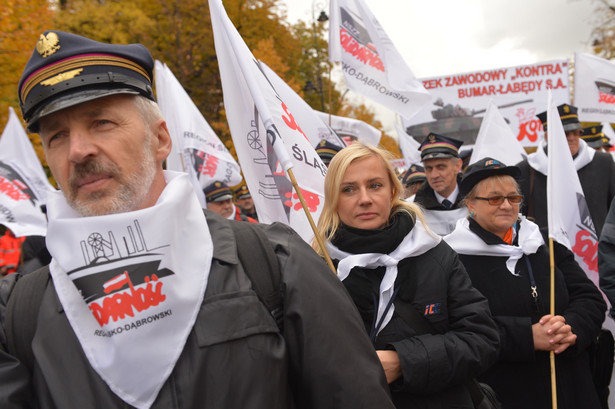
<point x="431" y="329"/>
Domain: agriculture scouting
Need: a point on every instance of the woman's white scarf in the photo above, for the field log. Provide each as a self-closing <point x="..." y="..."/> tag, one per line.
<point x="538" y="159"/>
<point x="417" y="242"/>
<point x="465" y="241"/>
<point x="132" y="284"/>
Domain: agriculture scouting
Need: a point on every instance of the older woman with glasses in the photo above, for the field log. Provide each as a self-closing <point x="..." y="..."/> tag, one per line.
<point x="431" y="329"/>
<point x="508" y="261"/>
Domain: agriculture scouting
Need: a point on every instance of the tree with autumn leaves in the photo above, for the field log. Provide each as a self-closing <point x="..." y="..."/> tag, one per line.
<point x="179" y="33"/>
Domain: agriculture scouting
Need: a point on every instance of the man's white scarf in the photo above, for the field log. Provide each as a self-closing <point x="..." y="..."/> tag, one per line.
<point x="465" y="241"/>
<point x="132" y="284"/>
<point x="417" y="242"/>
<point x="538" y="159"/>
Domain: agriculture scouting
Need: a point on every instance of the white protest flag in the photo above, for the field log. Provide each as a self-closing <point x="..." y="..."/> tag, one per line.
<point x="409" y="147"/>
<point x="311" y="123"/>
<point x="23" y="183"/>
<point x="496" y="139"/>
<point x="197" y="150"/>
<point x="568" y="215"/>
<point x="263" y="126"/>
<point x="352" y="129"/>
<point x="594" y="87"/>
<point x="371" y="64"/>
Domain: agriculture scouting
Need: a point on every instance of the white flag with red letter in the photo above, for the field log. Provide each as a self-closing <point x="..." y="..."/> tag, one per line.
<point x="594" y="87"/>
<point x="23" y="183"/>
<point x="496" y="139"/>
<point x="371" y="64"/>
<point x="197" y="150"/>
<point x="568" y="215"/>
<point x="269" y="133"/>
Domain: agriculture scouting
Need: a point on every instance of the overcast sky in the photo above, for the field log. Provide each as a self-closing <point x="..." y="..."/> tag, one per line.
<point x="440" y="37"/>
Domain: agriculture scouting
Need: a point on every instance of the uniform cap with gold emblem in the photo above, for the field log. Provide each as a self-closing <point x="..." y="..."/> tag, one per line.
<point x="242" y="192"/>
<point x="594" y="136"/>
<point x="436" y="146"/>
<point x="327" y="150"/>
<point x="568" y="115"/>
<point x="217" y="192"/>
<point x="66" y="69"/>
<point x="414" y="174"/>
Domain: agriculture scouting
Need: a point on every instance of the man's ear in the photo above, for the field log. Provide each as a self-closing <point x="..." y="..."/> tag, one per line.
<point x="163" y="139"/>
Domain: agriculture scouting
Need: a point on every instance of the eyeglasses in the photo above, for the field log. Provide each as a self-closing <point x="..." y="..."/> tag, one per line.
<point x="499" y="199"/>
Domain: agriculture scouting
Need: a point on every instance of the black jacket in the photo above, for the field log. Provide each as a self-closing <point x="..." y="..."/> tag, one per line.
<point x="426" y="197"/>
<point x="434" y="367"/>
<point x="521" y="377"/>
<point x="235" y="356"/>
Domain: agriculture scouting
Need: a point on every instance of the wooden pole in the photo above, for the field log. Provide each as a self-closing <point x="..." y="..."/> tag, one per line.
<point x="552" y="312"/>
<point x="321" y="244"/>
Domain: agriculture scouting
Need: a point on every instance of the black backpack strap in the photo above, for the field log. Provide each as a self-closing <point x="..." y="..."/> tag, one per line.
<point x="22" y="314"/>
<point x="260" y="263"/>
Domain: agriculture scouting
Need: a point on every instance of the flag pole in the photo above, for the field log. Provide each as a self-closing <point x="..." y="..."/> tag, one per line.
<point x="317" y="236"/>
<point x="552" y="312"/>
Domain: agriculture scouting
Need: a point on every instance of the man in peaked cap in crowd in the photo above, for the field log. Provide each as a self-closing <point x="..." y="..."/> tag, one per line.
<point x="596" y="172"/>
<point x="220" y="200"/>
<point x="326" y="151"/>
<point x="146" y="302"/>
<point x="595" y="138"/>
<point x="440" y="195"/>
<point x="413" y="179"/>
<point x="244" y="200"/>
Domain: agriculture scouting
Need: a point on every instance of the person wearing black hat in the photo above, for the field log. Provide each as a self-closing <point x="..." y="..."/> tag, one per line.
<point x="440" y="195"/>
<point x="595" y="138"/>
<point x="412" y="180"/>
<point x="596" y="172"/>
<point x="149" y="301"/>
<point x="219" y="199"/>
<point x="327" y="150"/>
<point x="508" y="262"/>
<point x="244" y="200"/>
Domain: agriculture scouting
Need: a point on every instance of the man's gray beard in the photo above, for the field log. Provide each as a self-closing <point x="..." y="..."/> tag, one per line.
<point x="131" y="192"/>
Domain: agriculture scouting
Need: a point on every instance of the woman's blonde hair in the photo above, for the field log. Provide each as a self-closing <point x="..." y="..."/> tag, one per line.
<point x="329" y="220"/>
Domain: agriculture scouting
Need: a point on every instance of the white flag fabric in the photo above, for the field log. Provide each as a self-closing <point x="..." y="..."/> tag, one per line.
<point x="351" y="129"/>
<point x="409" y="147"/>
<point x="568" y="215"/>
<point x="23" y="183"/>
<point x="371" y="64"/>
<point x="496" y="139"/>
<point x="594" y="87"/>
<point x="267" y="132"/>
<point x="313" y="125"/>
<point x="197" y="150"/>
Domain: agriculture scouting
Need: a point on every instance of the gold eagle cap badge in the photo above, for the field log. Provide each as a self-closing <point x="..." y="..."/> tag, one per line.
<point x="432" y="138"/>
<point x="48" y="44"/>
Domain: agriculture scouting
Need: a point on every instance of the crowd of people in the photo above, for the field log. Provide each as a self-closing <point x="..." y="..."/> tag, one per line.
<point x="146" y="300"/>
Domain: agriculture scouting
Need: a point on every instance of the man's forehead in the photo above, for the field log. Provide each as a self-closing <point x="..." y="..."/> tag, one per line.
<point x="439" y="161"/>
<point x="89" y="109"/>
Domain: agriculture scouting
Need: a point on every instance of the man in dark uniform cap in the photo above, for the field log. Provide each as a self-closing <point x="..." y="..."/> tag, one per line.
<point x="244" y="200"/>
<point x="219" y="199"/>
<point x="326" y="151"/>
<point x="149" y="304"/>
<point x="440" y="195"/>
<point x="413" y="179"/>
<point x="595" y="138"/>
<point x="596" y="172"/>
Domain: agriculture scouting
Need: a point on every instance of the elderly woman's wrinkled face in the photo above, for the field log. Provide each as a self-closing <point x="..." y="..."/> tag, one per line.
<point x="366" y="194"/>
<point x="495" y="218"/>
